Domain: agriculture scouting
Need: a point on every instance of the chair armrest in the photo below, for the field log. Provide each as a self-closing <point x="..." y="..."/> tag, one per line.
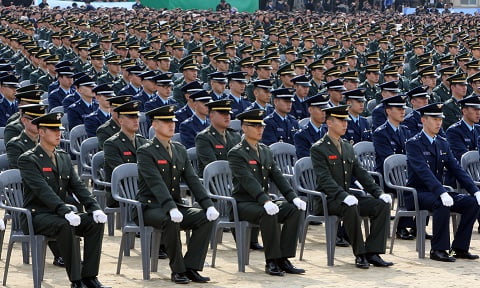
<point x="28" y="215"/>
<point x="449" y="188"/>
<point x="317" y="194"/>
<point x="230" y="200"/>
<point x="407" y="189"/>
<point x="379" y="176"/>
<point x="72" y="207"/>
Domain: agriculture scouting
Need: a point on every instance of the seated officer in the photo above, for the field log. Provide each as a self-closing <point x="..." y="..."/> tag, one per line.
<point x="279" y="125"/>
<point x="379" y="117"/>
<point x="134" y="85"/>
<point x="48" y="176"/>
<point x="262" y="92"/>
<point x="122" y="146"/>
<point x="427" y="156"/>
<point x="236" y="83"/>
<point x="85" y="105"/>
<point x="458" y="88"/>
<point x="187" y="111"/>
<point x="334" y="177"/>
<point x="8" y="103"/>
<point x="65" y="82"/>
<point x="74" y="96"/>
<point x="252" y="166"/>
<point x="164" y="86"/>
<point x="388" y="139"/>
<point x="102" y="114"/>
<point x="418" y="98"/>
<point x="299" y="107"/>
<point x="218" y="80"/>
<point x="198" y="121"/>
<point x="315" y="129"/>
<point x="149" y="88"/>
<point x="112" y="126"/>
<point x="162" y="164"/>
<point x="358" y="129"/>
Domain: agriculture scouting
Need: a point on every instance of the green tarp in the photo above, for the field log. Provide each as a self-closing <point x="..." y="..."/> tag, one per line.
<point x="241" y="5"/>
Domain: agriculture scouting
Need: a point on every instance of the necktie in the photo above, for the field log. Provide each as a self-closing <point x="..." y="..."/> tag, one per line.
<point x="224" y="137"/>
<point x="338" y="146"/>
<point x="169" y="150"/>
<point x="54" y="159"/>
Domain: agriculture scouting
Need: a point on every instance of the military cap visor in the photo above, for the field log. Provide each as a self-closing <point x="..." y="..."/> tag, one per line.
<point x="33" y="110"/>
<point x="221" y="106"/>
<point x="432" y="110"/>
<point x="339" y="112"/>
<point x="164" y="113"/>
<point x="253" y="117"/>
<point x="130" y="108"/>
<point x="51" y="121"/>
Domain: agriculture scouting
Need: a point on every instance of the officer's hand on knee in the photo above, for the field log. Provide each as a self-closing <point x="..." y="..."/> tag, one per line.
<point x="73" y="218"/>
<point x="477" y="195"/>
<point x="271" y="208"/>
<point x="301" y="205"/>
<point x="350" y="200"/>
<point x="447" y="200"/>
<point x="386" y="198"/>
<point x="99" y="216"/>
<point x="212" y="213"/>
<point x="2" y="225"/>
<point x="176" y="216"/>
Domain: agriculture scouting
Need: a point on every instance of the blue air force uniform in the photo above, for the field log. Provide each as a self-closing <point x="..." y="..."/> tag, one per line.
<point x="279" y="129"/>
<point x="358" y="130"/>
<point x="78" y="111"/>
<point x="462" y="138"/>
<point x="299" y="109"/>
<point x="181" y="115"/>
<point x="95" y="120"/>
<point x="378" y="116"/>
<point x="7" y="109"/>
<point x="238" y="105"/>
<point x="306" y="136"/>
<point x="55" y="98"/>
<point x="190" y="128"/>
<point x="388" y="141"/>
<point x="268" y="109"/>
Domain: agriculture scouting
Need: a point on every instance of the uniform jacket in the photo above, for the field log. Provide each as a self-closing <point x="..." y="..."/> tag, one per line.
<point x="305" y="137"/>
<point x="238" y="107"/>
<point x="189" y="130"/>
<point x="357" y="132"/>
<point x="13" y="129"/>
<point x="461" y="139"/>
<point x="69" y="100"/>
<point x="379" y="116"/>
<point x="78" y="111"/>
<point x="105" y="131"/>
<point x="129" y="90"/>
<point x="182" y="114"/>
<point x="93" y="121"/>
<point x="251" y="174"/>
<point x="452" y="113"/>
<point x="299" y="109"/>
<point x="16" y="147"/>
<point x="55" y="98"/>
<point x="268" y="109"/>
<point x="387" y="142"/>
<point x="6" y="110"/>
<point x="276" y="130"/>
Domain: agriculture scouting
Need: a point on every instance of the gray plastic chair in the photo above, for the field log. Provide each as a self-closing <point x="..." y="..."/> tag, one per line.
<point x="365" y="152"/>
<point x="371" y="104"/>
<point x="88" y="148"/>
<point x="99" y="190"/>
<point x="305" y="181"/>
<point x="2" y="132"/>
<point x="144" y="125"/>
<point x="217" y="180"/>
<point x="124" y="190"/>
<point x="192" y="156"/>
<point x="76" y="136"/>
<point x="470" y="162"/>
<point x="3" y="148"/>
<point x="12" y="194"/>
<point x="395" y="175"/>
<point x="151" y="132"/>
<point x="236" y="125"/>
<point x="285" y="156"/>
<point x="304" y="122"/>
<point x="3" y="162"/>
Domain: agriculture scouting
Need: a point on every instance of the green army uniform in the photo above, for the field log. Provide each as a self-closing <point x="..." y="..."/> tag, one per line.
<point x="174" y="65"/>
<point x="45" y="81"/>
<point x="22" y="62"/>
<point x="80" y="66"/>
<point x="118" y="85"/>
<point x="251" y="174"/>
<point x="13" y="128"/>
<point x="105" y="131"/>
<point x="249" y="91"/>
<point x="95" y="74"/>
<point x="45" y="190"/>
<point x="16" y="147"/>
<point x="442" y="92"/>
<point x="314" y="88"/>
<point x="27" y="71"/>
<point x="334" y="171"/>
<point x="178" y="95"/>
<point x="208" y="69"/>
<point x="370" y="91"/>
<point x="36" y="75"/>
<point x="107" y="78"/>
<point x="118" y="150"/>
<point x="159" y="191"/>
<point x="452" y="113"/>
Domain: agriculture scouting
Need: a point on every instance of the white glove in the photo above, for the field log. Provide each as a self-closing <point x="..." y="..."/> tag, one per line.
<point x="477" y="195"/>
<point x="386" y="198"/>
<point x="176" y="215"/>
<point x="271" y="208"/>
<point x="350" y="200"/>
<point x="73" y="218"/>
<point x="212" y="213"/>
<point x="301" y="205"/>
<point x="447" y="200"/>
<point x="99" y="216"/>
<point x="2" y="225"/>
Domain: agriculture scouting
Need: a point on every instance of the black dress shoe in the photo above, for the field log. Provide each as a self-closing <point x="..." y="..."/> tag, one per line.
<point x="287" y="266"/>
<point x="58" y="261"/>
<point x="341" y="242"/>
<point x="361" y="262"/>
<point x="179" y="278"/>
<point x="440" y="255"/>
<point x="195" y="277"/>
<point x="271" y="268"/>
<point x="92" y="283"/>
<point x="256" y="246"/>
<point x="377" y="261"/>
<point x="462" y="254"/>
<point x="77" y="284"/>
<point x="404" y="234"/>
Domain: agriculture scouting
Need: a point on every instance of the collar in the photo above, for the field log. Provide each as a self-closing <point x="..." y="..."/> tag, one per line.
<point x="470" y="127"/>
<point x="395" y="128"/>
<point x="431" y="139"/>
<point x="317" y="129"/>
<point x="86" y="103"/>
<point x="282" y="118"/>
<point x="237" y="99"/>
<point x="354" y="119"/>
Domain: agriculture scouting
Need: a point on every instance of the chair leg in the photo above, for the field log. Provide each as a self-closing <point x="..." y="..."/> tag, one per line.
<point x="156" y="239"/>
<point x="214" y="244"/>
<point x="331" y="235"/>
<point x="7" y="262"/>
<point x="421" y="223"/>
<point x="246" y="241"/>
<point x="37" y="261"/>
<point x="239" y="230"/>
<point x="303" y="237"/>
<point x="123" y="245"/>
<point x="26" y="252"/>
<point x="145" y="246"/>
<point x="111" y="224"/>
<point x="394" y="229"/>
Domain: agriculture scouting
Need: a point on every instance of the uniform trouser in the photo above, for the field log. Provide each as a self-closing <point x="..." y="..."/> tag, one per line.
<point x="193" y="219"/>
<point x="464" y="204"/>
<point x="377" y="210"/>
<point x="278" y="243"/>
<point x="55" y="226"/>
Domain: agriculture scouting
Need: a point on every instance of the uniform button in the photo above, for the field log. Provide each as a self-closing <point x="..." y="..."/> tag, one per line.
<point x="343" y="161"/>
<point x="149" y="201"/>
<point x="128" y="160"/>
<point x="41" y="155"/>
<point x="263" y="167"/>
<point x="264" y="177"/>
<point x="68" y="177"/>
<point x="123" y="139"/>
<point x="174" y="178"/>
<point x="254" y="170"/>
<point x="173" y="189"/>
<point x="345" y="172"/>
<point x="157" y="146"/>
<point x="61" y="188"/>
<point x="174" y="167"/>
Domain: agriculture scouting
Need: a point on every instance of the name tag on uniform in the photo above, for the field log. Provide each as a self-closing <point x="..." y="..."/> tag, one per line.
<point x="427" y="153"/>
<point x="299" y="111"/>
<point x="393" y="143"/>
<point x="47" y="169"/>
<point x="350" y="130"/>
<point x="467" y="139"/>
<point x="253" y="162"/>
<point x="332" y="157"/>
<point x="279" y="129"/>
<point x="127" y="153"/>
<point x="162" y="161"/>
<point x="219" y="146"/>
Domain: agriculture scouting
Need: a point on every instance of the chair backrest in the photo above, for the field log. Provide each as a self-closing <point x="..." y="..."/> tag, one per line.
<point x="365" y="152"/>
<point x="98" y="174"/>
<point x="4" y="164"/>
<point x="470" y="162"/>
<point x="125" y="186"/>
<point x="144" y="125"/>
<point x="371" y="104"/>
<point x="151" y="132"/>
<point x="57" y="109"/>
<point x="395" y="173"/>
<point x="88" y="148"/>
<point x="176" y="137"/>
<point x="12" y="194"/>
<point x="303" y="122"/>
<point x="2" y="132"/>
<point x="77" y="135"/>
<point x="3" y="148"/>
<point x="304" y="177"/>
<point x="217" y="180"/>
<point x="66" y="132"/>
<point x="192" y="156"/>
<point x="236" y="125"/>
<point x="285" y="156"/>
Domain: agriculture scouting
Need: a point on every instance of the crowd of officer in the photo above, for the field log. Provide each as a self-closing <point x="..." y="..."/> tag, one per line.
<point x="408" y="83"/>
